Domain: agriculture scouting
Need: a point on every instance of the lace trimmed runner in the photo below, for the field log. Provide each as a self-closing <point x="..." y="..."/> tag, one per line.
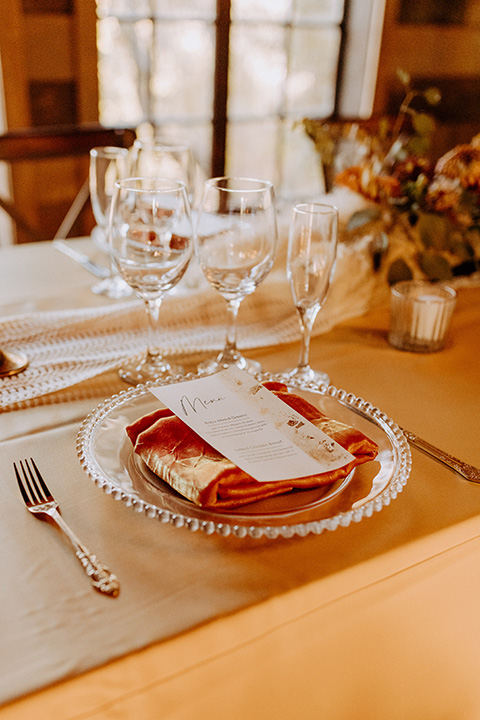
<point x="68" y="347"/>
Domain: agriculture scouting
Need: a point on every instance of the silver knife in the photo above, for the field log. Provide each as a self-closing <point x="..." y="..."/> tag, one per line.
<point x="469" y="472"/>
<point x="82" y="259"/>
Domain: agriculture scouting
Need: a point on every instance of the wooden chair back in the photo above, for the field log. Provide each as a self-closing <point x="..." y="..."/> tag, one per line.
<point x="25" y="150"/>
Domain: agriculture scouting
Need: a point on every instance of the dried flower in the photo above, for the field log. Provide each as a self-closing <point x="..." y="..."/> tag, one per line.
<point x="462" y="163"/>
<point x="436" y="206"/>
<point x="442" y="205"/>
<point x="363" y="180"/>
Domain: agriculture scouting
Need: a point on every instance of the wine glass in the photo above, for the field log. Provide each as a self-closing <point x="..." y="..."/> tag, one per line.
<point x="312" y="251"/>
<point x="168" y="158"/>
<point x="164" y="158"/>
<point x="236" y="242"/>
<point x="107" y="164"/>
<point x="151" y="241"/>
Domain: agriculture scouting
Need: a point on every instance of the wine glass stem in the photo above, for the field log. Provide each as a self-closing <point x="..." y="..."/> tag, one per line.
<point x="307" y="318"/>
<point x="229" y="352"/>
<point x="152" y="308"/>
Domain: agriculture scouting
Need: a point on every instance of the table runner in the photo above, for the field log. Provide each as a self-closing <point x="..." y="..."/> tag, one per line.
<point x="66" y="347"/>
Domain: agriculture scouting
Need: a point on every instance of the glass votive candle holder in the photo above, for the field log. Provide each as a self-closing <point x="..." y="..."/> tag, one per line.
<point x="420" y="313"/>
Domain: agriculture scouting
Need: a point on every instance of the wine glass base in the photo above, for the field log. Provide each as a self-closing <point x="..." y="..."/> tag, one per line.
<point x="142" y="371"/>
<point x="113" y="287"/>
<point x="307" y="374"/>
<point x="12" y="363"/>
<point x="209" y="367"/>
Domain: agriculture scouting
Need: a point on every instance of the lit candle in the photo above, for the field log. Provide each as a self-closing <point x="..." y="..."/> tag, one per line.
<point x="427" y="317"/>
<point x="420" y="314"/>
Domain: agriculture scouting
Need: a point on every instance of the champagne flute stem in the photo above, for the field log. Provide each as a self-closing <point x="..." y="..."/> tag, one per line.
<point x="307" y="318"/>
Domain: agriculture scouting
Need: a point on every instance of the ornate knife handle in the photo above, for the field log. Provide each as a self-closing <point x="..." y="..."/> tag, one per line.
<point x="469" y="472"/>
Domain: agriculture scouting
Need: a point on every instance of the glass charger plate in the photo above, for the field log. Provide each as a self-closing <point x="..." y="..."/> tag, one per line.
<point x="107" y="456"/>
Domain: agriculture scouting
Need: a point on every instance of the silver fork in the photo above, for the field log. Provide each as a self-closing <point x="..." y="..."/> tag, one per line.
<point x="40" y="502"/>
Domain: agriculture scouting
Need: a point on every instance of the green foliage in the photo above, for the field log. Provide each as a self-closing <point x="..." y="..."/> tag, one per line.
<point x="435" y="266"/>
<point x="462" y="249"/>
<point x="404" y="77"/>
<point x="399" y="270"/>
<point x="408" y="192"/>
<point x="423" y="124"/>
<point x="432" y="95"/>
<point x="433" y="231"/>
<point x="362" y="217"/>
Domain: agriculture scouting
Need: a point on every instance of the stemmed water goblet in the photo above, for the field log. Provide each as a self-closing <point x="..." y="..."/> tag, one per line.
<point x="172" y="158"/>
<point x="161" y="157"/>
<point x="312" y="251"/>
<point x="151" y="242"/>
<point x="236" y="243"/>
<point x="107" y="164"/>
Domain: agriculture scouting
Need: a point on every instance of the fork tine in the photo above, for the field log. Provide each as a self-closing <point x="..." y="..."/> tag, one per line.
<point x="36" y="488"/>
<point x="30" y="482"/>
<point x="46" y="491"/>
<point x="25" y="497"/>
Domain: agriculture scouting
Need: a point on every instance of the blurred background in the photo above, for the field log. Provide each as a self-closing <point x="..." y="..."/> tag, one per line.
<point x="233" y="77"/>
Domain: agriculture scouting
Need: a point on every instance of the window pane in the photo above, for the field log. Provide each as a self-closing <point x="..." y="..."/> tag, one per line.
<point x="313" y="71"/>
<point x="258" y="68"/>
<point x="252" y="149"/>
<point x="266" y="10"/>
<point x="190" y="9"/>
<point x="331" y="10"/>
<point x="157" y="65"/>
<point x="197" y="135"/>
<point x="123" y="71"/>
<point x="275" y="151"/>
<point x="182" y="83"/>
<point x="301" y="174"/>
<point x="286" y="10"/>
<point x="124" y="8"/>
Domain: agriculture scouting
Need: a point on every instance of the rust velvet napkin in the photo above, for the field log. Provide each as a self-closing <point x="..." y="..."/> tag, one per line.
<point x="180" y="457"/>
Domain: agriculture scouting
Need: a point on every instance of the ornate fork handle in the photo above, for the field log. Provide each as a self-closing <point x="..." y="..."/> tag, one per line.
<point x="469" y="472"/>
<point x="99" y="575"/>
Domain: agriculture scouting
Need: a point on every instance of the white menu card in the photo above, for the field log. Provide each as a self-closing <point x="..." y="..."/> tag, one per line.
<point x="252" y="427"/>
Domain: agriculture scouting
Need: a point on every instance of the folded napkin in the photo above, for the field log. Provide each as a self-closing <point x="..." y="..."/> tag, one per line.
<point x="180" y="457"/>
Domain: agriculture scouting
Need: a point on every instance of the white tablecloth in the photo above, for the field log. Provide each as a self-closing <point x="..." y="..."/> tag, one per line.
<point x="375" y="620"/>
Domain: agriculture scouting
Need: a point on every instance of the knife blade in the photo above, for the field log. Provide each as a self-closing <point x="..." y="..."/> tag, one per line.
<point x="468" y="472"/>
<point x="79" y="257"/>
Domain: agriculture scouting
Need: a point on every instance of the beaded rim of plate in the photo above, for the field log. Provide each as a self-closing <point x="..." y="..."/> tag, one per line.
<point x="227" y="525"/>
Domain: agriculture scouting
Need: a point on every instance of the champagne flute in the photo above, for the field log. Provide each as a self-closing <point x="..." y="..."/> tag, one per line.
<point x="235" y="243"/>
<point x="312" y="251"/>
<point x="107" y="164"/>
<point x="151" y="241"/>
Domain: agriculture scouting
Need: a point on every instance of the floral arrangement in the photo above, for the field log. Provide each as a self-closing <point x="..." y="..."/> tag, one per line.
<point x="436" y="206"/>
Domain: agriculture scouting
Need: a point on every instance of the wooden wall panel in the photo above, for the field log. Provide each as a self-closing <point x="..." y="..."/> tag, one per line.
<point x="49" y="61"/>
<point x="439" y="53"/>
